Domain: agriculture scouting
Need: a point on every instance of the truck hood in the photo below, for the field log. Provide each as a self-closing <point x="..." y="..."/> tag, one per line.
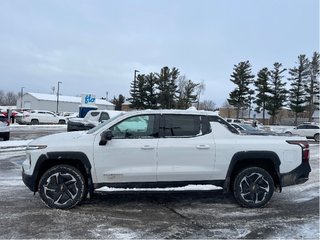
<point x="58" y="139"/>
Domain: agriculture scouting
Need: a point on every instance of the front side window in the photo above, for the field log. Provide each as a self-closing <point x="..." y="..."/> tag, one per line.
<point x="135" y="127"/>
<point x="181" y="126"/>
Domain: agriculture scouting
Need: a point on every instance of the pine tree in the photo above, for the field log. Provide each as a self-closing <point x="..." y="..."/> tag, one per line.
<point x="187" y="95"/>
<point x="262" y="90"/>
<point x="278" y="93"/>
<point x="167" y="87"/>
<point x="242" y="77"/>
<point x="138" y="94"/>
<point x="312" y="86"/>
<point x="299" y="76"/>
<point x="150" y="91"/>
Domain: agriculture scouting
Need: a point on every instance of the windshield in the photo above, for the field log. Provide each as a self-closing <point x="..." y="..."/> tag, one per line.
<point x="101" y="125"/>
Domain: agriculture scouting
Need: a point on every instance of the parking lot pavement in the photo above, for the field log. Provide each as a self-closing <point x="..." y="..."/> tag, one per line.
<point x="294" y="213"/>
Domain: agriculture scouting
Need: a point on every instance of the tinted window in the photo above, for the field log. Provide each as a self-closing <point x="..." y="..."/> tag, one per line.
<point x="181" y="126"/>
<point x="93" y="114"/>
<point x="104" y="116"/>
<point x="136" y="127"/>
<point x="3" y="119"/>
<point x="302" y="127"/>
<point x="313" y="127"/>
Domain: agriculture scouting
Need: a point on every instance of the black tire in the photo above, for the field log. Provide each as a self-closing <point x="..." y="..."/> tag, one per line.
<point x="253" y="187"/>
<point x="316" y="137"/>
<point x="62" y="187"/>
<point x="34" y="122"/>
<point x="62" y="122"/>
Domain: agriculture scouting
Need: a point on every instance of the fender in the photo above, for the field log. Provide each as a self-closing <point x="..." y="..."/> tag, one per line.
<point x="50" y="159"/>
<point x="261" y="156"/>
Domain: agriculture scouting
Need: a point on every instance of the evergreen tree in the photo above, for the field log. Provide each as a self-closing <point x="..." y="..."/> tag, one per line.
<point x="167" y="87"/>
<point x="138" y="94"/>
<point x="242" y="77"/>
<point x="278" y="93"/>
<point x="262" y="89"/>
<point x="312" y="86"/>
<point x="297" y="92"/>
<point x="118" y="101"/>
<point x="150" y="91"/>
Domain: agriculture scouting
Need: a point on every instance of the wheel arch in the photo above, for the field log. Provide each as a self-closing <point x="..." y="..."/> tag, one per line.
<point x="267" y="160"/>
<point x="78" y="160"/>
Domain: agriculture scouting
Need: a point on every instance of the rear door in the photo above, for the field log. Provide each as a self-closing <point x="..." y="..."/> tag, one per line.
<point x="186" y="150"/>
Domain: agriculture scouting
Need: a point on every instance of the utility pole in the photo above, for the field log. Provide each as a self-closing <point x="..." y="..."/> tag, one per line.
<point x="21" y="104"/>
<point x="58" y="97"/>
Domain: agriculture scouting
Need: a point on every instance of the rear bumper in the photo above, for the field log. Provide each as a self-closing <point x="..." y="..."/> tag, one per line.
<point x="296" y="176"/>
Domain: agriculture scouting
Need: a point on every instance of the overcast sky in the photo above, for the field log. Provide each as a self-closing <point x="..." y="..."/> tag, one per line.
<point x="95" y="46"/>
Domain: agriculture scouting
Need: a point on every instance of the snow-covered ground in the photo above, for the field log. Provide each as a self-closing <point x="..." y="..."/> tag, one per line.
<point x="179" y="213"/>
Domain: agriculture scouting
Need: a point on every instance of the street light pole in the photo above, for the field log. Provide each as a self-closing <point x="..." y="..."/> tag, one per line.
<point x="58" y="97"/>
<point x="21" y="97"/>
<point x="135" y="83"/>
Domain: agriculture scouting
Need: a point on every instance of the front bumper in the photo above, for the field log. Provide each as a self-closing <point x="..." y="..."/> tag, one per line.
<point x="29" y="181"/>
<point x="296" y="176"/>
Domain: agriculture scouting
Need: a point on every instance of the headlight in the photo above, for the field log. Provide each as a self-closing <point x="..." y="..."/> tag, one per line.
<point x="36" y="147"/>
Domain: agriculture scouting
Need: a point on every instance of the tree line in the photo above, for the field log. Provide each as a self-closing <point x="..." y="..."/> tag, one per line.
<point x="268" y="91"/>
<point x="8" y="98"/>
<point x="166" y="90"/>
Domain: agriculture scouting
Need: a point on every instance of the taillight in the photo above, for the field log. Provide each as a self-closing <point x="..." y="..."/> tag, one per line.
<point x="305" y="149"/>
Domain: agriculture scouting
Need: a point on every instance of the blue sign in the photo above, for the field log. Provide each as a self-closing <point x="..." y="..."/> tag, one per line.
<point x="88" y="99"/>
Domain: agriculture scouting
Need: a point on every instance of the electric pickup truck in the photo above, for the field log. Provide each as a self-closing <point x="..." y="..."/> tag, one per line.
<point x="163" y="148"/>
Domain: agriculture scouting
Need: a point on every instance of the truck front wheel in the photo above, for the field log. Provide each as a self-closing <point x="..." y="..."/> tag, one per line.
<point x="62" y="187"/>
<point x="253" y="187"/>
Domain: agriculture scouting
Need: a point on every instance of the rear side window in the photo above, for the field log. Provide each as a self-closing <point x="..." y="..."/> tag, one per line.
<point x="181" y="126"/>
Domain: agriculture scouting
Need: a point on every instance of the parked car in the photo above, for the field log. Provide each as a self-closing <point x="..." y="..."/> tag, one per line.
<point x="162" y="148"/>
<point x="248" y="129"/>
<point x="92" y="119"/>
<point x="4" y="128"/>
<point x="306" y="130"/>
<point x="35" y="117"/>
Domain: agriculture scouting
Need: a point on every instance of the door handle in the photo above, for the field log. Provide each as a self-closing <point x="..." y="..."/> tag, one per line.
<point x="203" y="146"/>
<point x="147" y="147"/>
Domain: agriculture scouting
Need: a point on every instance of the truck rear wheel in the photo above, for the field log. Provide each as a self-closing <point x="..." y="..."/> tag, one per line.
<point x="62" y="187"/>
<point x="253" y="187"/>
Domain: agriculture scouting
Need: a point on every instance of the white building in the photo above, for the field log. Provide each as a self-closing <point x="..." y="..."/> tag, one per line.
<point x="48" y="102"/>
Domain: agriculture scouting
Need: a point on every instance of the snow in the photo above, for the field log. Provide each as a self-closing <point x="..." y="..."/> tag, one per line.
<point x="51" y="97"/>
<point x="190" y="187"/>
<point x="18" y="127"/>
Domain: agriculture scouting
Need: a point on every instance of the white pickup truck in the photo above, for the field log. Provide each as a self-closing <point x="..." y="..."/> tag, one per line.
<point x="162" y="148"/>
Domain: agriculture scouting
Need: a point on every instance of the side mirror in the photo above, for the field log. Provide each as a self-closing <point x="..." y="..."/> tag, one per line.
<point x="105" y="137"/>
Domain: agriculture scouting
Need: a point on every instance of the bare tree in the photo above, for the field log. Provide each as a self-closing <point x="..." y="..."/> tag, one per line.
<point x="11" y="98"/>
<point x="2" y="98"/>
<point x="208" y="105"/>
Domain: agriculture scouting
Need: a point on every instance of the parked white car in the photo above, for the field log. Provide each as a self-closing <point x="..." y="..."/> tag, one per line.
<point x="92" y="119"/>
<point x="35" y="117"/>
<point x="4" y="128"/>
<point x="306" y="130"/>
